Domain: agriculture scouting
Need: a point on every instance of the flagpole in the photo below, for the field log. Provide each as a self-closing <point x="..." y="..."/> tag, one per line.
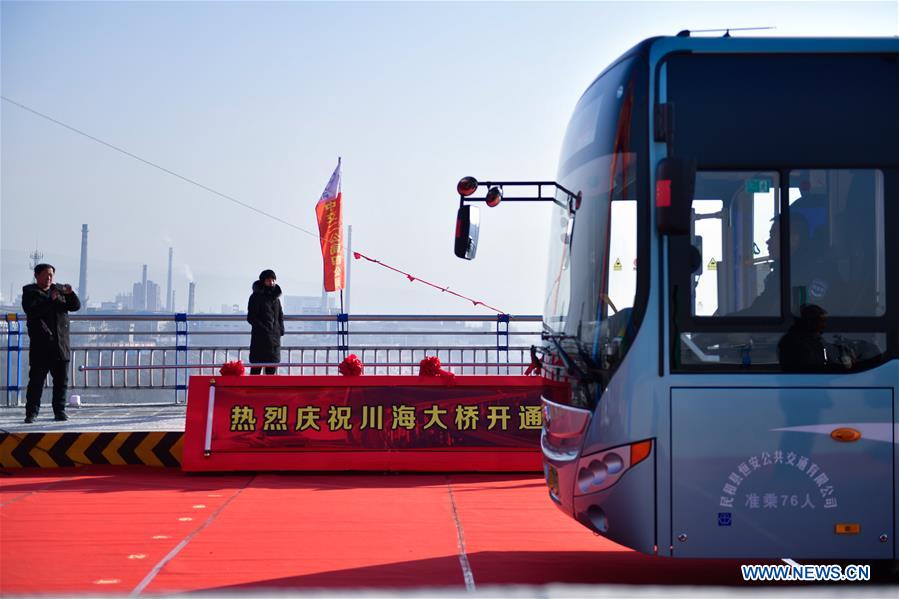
<point x="349" y="267"/>
<point x="328" y="212"/>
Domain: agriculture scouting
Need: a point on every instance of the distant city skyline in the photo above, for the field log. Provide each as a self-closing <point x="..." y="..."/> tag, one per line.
<point x="127" y="287"/>
<point x="256" y="101"/>
<point x="129" y="299"/>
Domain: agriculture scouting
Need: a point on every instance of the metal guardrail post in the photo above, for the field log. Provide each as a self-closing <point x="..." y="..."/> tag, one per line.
<point x="502" y="339"/>
<point x="181" y="374"/>
<point x="13" y="344"/>
<point x="343" y="334"/>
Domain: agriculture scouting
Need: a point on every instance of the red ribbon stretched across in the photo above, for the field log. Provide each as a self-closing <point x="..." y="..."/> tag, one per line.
<point x="412" y="279"/>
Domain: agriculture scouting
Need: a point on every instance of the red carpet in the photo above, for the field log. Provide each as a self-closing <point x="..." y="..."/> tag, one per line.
<point x="126" y="529"/>
<point x="285" y="527"/>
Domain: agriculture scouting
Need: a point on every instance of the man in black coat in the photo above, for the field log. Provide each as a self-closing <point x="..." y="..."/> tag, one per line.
<point x="267" y="321"/>
<point x="47" y="308"/>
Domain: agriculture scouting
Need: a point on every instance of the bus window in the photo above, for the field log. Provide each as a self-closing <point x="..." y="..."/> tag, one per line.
<point x="559" y="281"/>
<point x="837" y="260"/>
<point x="733" y="220"/>
<point x="601" y="319"/>
<point x="707" y="240"/>
<point x="834" y="257"/>
<point x="622" y="259"/>
<point x="594" y="303"/>
<point x="736" y="267"/>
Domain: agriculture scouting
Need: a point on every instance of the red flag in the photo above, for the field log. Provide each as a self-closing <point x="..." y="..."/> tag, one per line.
<point x="330" y="229"/>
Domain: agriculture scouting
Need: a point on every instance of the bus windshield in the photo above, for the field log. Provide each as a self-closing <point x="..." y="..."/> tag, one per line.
<point x="592" y="275"/>
<point x="790" y="211"/>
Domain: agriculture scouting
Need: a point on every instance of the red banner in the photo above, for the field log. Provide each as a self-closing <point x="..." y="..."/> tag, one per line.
<point x="330" y="228"/>
<point x="329" y="213"/>
<point x="363" y="423"/>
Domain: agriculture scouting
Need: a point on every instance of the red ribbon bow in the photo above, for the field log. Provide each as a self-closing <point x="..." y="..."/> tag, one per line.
<point x="233" y="369"/>
<point x="430" y="366"/>
<point x="351" y="366"/>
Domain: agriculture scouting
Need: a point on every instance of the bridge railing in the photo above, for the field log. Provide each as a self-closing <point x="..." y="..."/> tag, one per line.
<point x="147" y="358"/>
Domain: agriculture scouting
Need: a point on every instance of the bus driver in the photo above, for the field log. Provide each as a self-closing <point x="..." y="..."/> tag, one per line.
<point x="813" y="280"/>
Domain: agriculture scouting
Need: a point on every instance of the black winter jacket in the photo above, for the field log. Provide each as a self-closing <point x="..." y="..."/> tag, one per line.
<point x="265" y="316"/>
<point x="802" y="350"/>
<point x="48" y="321"/>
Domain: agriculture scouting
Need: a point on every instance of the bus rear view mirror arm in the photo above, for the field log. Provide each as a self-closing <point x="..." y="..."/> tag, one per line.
<point x="468" y="219"/>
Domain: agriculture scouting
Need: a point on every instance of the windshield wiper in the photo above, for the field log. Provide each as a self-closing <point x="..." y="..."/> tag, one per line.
<point x="581" y="365"/>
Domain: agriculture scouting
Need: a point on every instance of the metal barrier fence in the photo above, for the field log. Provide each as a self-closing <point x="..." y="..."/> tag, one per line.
<point x="134" y="357"/>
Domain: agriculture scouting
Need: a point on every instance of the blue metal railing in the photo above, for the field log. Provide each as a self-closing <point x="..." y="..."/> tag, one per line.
<point x="118" y="354"/>
<point x="13" y="352"/>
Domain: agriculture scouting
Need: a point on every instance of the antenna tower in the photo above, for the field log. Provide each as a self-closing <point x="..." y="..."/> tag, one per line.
<point x="36" y="257"/>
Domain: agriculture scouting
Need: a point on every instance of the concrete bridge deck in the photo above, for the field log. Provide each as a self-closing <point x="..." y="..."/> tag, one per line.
<point x="98" y="418"/>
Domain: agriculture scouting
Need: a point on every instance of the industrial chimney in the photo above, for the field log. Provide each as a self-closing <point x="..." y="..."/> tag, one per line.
<point x="82" y="278"/>
<point x="169" y="295"/>
<point x="143" y="289"/>
<point x="191" y="290"/>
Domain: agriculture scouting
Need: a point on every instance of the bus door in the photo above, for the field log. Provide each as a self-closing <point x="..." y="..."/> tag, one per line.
<point x="782" y="435"/>
<point x="783" y="325"/>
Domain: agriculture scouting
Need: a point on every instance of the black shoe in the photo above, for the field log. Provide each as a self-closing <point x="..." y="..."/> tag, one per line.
<point x="61" y="417"/>
<point x="29" y="418"/>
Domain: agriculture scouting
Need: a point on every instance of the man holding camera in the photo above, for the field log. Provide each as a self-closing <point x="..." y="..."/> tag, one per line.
<point x="47" y="306"/>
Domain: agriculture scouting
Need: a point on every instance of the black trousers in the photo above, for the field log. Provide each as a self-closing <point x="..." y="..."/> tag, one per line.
<point x="268" y="369"/>
<point x="37" y="374"/>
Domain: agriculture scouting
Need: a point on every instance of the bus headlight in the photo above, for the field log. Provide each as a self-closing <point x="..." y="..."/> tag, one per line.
<point x="563" y="430"/>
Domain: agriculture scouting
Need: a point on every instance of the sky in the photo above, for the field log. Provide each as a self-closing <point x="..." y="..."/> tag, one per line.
<point x="257" y="100"/>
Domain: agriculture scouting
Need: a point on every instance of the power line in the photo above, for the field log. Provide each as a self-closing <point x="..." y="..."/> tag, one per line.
<point x="231" y="199"/>
<point x="162" y="168"/>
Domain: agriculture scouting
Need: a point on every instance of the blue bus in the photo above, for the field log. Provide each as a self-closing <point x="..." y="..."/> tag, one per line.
<point x="723" y="301"/>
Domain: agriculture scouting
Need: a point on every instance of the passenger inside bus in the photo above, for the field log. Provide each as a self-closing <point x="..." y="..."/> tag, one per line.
<point x="813" y="278"/>
<point x="802" y="349"/>
<point x="835" y="257"/>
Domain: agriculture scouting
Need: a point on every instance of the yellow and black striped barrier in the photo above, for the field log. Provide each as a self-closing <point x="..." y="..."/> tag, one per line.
<point x="56" y="450"/>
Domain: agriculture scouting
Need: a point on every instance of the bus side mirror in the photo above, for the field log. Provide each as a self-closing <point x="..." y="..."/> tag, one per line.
<point x="675" y="181"/>
<point x="467" y="224"/>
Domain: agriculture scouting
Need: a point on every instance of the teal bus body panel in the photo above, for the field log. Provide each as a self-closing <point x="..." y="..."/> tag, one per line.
<point x="777" y="483"/>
